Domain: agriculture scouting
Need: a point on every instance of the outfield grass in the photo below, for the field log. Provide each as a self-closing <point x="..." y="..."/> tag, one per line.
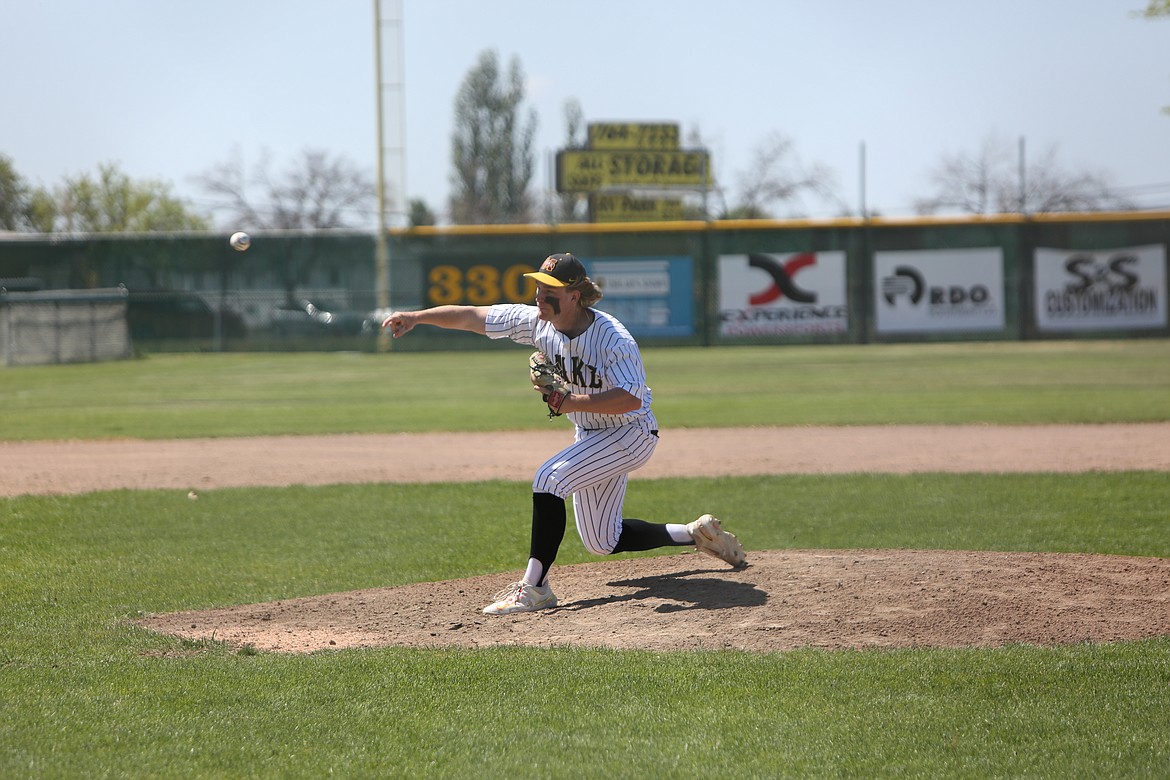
<point x="83" y="693"/>
<point x="167" y="396"/>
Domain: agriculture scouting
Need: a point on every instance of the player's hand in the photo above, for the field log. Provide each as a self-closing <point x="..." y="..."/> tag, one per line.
<point x="400" y="323"/>
<point x="559" y="403"/>
<point x="548" y="380"/>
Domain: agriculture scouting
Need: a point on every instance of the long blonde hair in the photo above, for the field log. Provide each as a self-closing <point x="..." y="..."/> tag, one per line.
<point x="590" y="292"/>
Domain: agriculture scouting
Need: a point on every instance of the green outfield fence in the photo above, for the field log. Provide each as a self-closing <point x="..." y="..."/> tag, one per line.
<point x="1008" y="277"/>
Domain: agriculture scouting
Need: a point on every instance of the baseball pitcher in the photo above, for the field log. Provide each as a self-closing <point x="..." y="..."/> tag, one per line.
<point x="587" y="367"/>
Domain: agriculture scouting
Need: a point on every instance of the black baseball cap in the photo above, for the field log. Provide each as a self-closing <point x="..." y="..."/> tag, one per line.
<point x="560" y="270"/>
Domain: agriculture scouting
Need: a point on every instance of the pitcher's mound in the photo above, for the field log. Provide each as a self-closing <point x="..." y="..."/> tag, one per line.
<point x="783" y="600"/>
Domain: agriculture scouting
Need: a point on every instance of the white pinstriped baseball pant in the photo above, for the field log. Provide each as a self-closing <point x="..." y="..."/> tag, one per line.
<point x="593" y="470"/>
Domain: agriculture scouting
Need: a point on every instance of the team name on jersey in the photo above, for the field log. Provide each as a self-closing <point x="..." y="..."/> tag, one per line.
<point x="576" y="375"/>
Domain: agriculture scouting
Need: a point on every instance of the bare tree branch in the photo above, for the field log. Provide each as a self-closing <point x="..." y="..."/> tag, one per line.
<point x="989" y="181"/>
<point x="777" y="176"/>
<point x="315" y="192"/>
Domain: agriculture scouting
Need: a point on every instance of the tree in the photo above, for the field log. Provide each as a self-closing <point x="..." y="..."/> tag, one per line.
<point x="420" y="213"/>
<point x="14" y="197"/>
<point x="989" y="181"/>
<point x="315" y="192"/>
<point x="776" y="176"/>
<point x="41" y="211"/>
<point x="1156" y="8"/>
<point x="491" y="148"/>
<point x="111" y="202"/>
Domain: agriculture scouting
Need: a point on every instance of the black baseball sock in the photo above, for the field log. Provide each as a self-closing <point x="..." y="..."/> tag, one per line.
<point x="548" y="529"/>
<point x="640" y="535"/>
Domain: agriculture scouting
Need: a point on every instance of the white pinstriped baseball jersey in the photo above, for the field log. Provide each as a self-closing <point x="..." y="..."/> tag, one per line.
<point x="606" y="447"/>
<point x="605" y="356"/>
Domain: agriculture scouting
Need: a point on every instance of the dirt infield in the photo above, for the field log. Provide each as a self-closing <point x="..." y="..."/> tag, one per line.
<point x="194" y="464"/>
<point x="783" y="600"/>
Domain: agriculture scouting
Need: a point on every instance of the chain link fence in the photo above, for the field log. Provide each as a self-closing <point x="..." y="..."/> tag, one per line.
<point x="252" y="320"/>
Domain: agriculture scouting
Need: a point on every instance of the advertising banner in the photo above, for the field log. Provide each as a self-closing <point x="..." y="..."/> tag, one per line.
<point x="782" y="294"/>
<point x="633" y="135"/>
<point x="1100" y="290"/>
<point x="939" y="290"/>
<point x="652" y="296"/>
<point x="588" y="170"/>
<point x="634" y="208"/>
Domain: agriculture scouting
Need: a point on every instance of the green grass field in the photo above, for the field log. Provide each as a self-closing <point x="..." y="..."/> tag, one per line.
<point x="83" y="693"/>
<point x="168" y="396"/>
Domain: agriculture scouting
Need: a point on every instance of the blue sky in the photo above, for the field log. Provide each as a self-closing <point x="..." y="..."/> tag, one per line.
<point x="168" y="90"/>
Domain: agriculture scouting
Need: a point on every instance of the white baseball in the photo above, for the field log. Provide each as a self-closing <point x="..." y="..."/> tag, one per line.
<point x="240" y="241"/>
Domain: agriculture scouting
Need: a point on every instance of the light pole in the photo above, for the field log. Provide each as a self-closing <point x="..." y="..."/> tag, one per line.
<point x="382" y="247"/>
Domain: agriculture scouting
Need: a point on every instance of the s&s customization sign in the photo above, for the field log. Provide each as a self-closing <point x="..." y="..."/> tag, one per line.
<point x="1100" y="290"/>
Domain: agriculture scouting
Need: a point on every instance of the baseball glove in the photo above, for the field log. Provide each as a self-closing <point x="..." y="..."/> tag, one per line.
<point x="554" y="389"/>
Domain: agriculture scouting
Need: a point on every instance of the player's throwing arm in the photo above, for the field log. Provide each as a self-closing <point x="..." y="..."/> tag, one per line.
<point x="469" y="318"/>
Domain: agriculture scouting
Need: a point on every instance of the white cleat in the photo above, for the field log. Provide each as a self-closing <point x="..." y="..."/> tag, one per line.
<point x="521" y="597"/>
<point x="710" y="538"/>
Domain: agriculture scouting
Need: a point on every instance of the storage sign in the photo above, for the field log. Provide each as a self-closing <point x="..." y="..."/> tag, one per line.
<point x="633" y="135"/>
<point x="634" y="208"/>
<point x="586" y="170"/>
